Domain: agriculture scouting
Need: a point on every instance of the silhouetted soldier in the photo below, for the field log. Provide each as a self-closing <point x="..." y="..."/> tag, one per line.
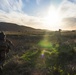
<point x="4" y="48"/>
<point x="58" y="35"/>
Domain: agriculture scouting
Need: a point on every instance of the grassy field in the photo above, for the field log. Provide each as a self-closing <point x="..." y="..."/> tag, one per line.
<point x="47" y="53"/>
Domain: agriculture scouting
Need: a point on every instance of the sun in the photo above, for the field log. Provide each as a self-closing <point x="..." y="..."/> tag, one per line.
<point x="52" y="19"/>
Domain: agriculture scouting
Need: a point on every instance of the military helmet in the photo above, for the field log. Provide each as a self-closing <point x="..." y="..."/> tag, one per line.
<point x="2" y="35"/>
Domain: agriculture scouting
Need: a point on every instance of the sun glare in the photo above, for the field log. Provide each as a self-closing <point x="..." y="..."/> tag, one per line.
<point x="52" y="19"/>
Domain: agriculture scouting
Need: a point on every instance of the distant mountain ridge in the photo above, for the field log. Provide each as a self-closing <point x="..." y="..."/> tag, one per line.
<point x="14" y="27"/>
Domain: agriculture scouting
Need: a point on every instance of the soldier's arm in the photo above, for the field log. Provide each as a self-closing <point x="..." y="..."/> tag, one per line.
<point x="10" y="44"/>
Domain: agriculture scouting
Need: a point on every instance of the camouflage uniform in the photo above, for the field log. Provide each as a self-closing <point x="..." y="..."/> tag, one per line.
<point x="4" y="48"/>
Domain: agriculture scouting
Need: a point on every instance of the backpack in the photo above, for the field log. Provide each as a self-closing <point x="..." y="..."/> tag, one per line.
<point x="3" y="45"/>
<point x="3" y="48"/>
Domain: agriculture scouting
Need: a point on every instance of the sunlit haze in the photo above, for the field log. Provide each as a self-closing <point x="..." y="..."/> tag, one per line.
<point x="52" y="19"/>
<point x="40" y="14"/>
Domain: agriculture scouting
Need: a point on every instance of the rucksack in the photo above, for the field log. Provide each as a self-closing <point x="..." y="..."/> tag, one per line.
<point x="3" y="48"/>
<point x="3" y="45"/>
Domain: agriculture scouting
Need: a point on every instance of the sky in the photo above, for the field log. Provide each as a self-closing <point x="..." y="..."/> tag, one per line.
<point x="40" y="14"/>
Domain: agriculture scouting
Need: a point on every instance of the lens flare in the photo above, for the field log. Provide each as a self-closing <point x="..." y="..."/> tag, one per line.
<point x="42" y="53"/>
<point x="45" y="43"/>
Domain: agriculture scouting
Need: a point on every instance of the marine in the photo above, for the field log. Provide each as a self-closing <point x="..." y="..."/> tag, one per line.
<point x="4" y="48"/>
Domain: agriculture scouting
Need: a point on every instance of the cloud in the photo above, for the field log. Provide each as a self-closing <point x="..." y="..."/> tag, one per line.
<point x="73" y="1"/>
<point x="21" y="19"/>
<point x="11" y="11"/>
<point x="69" y="23"/>
<point x="37" y="1"/>
<point x="68" y="8"/>
<point x="68" y="13"/>
<point x="11" y="5"/>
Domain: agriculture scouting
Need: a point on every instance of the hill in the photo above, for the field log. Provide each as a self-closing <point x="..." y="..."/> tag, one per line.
<point x="14" y="27"/>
